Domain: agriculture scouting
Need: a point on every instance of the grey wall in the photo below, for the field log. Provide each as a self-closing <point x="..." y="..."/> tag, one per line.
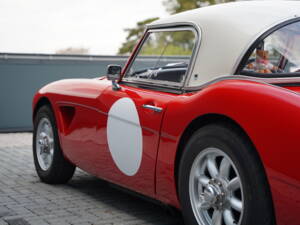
<point x="21" y="75"/>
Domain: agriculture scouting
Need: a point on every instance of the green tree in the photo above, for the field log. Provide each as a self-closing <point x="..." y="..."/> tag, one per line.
<point x="177" y="6"/>
<point x="134" y="35"/>
<point x="178" y="43"/>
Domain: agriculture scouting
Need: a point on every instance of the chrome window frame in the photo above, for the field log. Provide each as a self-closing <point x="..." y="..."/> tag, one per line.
<point x="163" y="28"/>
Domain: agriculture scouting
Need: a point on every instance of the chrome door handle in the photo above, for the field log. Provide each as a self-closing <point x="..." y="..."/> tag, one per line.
<point x="152" y="107"/>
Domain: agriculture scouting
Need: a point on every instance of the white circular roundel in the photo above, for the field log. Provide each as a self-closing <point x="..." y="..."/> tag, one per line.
<point x="124" y="136"/>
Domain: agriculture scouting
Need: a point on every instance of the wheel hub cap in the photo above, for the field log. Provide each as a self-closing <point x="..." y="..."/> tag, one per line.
<point x="44" y="144"/>
<point x="215" y="189"/>
<point x="213" y="195"/>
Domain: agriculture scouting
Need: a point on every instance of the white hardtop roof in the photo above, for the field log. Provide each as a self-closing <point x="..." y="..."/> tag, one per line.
<point x="227" y="32"/>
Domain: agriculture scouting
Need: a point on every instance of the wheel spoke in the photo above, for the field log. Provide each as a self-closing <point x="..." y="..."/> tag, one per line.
<point x="234" y="184"/>
<point x="236" y="204"/>
<point x="228" y="217"/>
<point x="217" y="217"/>
<point x="47" y="128"/>
<point x="49" y="158"/>
<point x="51" y="143"/>
<point x="42" y="134"/>
<point x="44" y="127"/>
<point x="46" y="159"/>
<point x="212" y="167"/>
<point x="224" y="168"/>
<point x="203" y="180"/>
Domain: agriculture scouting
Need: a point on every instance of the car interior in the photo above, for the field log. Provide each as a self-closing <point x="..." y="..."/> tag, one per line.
<point x="278" y="55"/>
<point x="172" y="72"/>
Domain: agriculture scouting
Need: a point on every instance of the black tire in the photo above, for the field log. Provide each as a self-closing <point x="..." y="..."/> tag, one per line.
<point x="60" y="170"/>
<point x="258" y="206"/>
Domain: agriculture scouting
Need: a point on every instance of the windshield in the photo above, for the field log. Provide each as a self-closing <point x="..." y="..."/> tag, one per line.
<point x="164" y="56"/>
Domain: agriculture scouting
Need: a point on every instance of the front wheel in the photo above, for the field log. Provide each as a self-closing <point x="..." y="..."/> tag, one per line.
<point x="221" y="180"/>
<point x="49" y="161"/>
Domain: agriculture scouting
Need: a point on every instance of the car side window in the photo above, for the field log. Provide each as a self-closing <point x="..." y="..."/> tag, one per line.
<point x="278" y="54"/>
<point x="163" y="58"/>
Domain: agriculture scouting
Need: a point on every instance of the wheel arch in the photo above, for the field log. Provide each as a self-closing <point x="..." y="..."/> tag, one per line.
<point x="207" y="119"/>
<point x="41" y="102"/>
<point x="200" y="122"/>
<point x="45" y="101"/>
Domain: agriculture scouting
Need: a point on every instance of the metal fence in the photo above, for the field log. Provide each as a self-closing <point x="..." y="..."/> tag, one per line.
<point x="21" y="75"/>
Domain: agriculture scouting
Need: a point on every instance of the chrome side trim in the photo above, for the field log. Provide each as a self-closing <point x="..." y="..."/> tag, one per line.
<point x="269" y="81"/>
<point x="81" y="105"/>
<point x="63" y="103"/>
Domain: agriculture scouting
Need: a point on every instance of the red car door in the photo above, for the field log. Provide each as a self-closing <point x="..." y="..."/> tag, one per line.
<point x="135" y="111"/>
<point x="134" y="117"/>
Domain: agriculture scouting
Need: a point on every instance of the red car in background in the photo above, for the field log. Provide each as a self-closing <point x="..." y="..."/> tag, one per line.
<point x="204" y="117"/>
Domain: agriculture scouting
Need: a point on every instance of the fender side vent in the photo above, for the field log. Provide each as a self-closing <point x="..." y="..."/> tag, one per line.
<point x="67" y="114"/>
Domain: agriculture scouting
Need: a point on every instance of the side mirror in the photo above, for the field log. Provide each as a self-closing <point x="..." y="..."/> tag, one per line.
<point x="114" y="74"/>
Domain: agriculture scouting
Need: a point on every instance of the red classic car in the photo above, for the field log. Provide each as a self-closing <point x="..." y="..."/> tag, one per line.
<point x="204" y="117"/>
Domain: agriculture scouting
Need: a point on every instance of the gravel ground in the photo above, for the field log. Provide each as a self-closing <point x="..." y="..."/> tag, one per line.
<point x="24" y="200"/>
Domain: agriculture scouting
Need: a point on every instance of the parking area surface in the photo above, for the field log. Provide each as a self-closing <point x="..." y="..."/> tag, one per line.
<point x="24" y="200"/>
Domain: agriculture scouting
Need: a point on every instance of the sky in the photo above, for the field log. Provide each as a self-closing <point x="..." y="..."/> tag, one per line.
<point x="45" y="26"/>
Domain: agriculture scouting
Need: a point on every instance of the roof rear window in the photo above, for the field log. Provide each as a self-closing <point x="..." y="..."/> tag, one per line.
<point x="277" y="55"/>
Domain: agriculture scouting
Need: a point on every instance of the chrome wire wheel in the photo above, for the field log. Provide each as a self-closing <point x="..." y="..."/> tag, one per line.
<point x="44" y="143"/>
<point x="215" y="189"/>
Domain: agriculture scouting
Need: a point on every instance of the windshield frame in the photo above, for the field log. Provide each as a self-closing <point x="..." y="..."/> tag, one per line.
<point x="159" y="83"/>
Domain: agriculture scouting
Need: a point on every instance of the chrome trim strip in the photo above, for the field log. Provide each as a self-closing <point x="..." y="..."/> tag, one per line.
<point x="168" y="136"/>
<point x="159" y="83"/>
<point x="103" y="113"/>
<point x="81" y="105"/>
<point x="270" y="81"/>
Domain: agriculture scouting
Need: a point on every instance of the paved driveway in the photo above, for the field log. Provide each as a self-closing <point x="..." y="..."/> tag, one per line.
<point x="84" y="200"/>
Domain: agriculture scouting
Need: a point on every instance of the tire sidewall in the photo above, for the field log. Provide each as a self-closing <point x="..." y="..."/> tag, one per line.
<point x="45" y="112"/>
<point x="237" y="150"/>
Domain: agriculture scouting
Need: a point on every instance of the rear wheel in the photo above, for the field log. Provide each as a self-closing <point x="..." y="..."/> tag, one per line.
<point x="221" y="180"/>
<point x="49" y="161"/>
